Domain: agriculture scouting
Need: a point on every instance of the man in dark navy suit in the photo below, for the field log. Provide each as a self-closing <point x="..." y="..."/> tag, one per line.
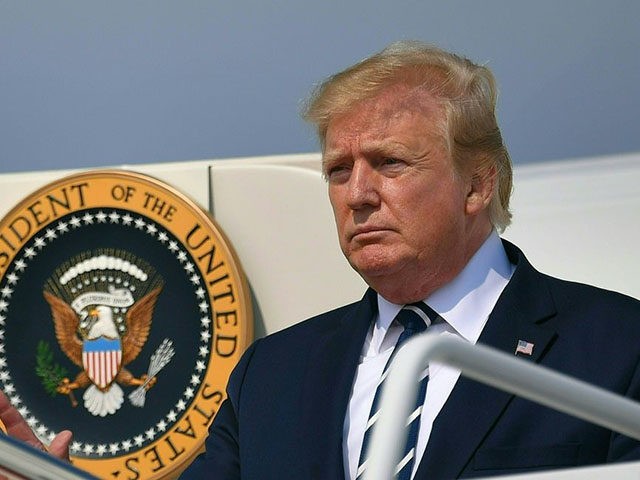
<point x="419" y="180"/>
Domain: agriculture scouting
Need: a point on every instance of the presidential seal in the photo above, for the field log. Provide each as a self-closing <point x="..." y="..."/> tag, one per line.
<point x="123" y="310"/>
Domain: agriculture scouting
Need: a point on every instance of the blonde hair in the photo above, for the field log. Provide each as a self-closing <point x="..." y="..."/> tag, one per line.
<point x="466" y="91"/>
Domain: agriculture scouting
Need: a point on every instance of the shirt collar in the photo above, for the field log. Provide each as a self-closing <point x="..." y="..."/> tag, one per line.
<point x="466" y="302"/>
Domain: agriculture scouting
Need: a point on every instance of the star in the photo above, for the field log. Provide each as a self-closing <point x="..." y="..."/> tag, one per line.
<point x="181" y="405"/>
<point x="63" y="227"/>
<point x="188" y="393"/>
<point x="9" y="388"/>
<point x="204" y="307"/>
<point x="200" y="365"/>
<point x="29" y="252"/>
<point x="195" y="380"/>
<point x="101" y="450"/>
<point x="126" y="445"/>
<point x="139" y="223"/>
<point x="138" y="440"/>
<point x="182" y="256"/>
<point x="76" y="446"/>
<point x="205" y="321"/>
<point x="20" y="265"/>
<point x="114" y="217"/>
<point x="171" y="416"/>
<point x="101" y="217"/>
<point x="3" y="305"/>
<point x="173" y="246"/>
<point x="126" y="220"/>
<point x="39" y="243"/>
<point x="189" y="267"/>
<point x="162" y="426"/>
<point x="204" y="351"/>
<point x="195" y="279"/>
<point x="12" y="278"/>
<point x="200" y="292"/>
<point x="41" y="430"/>
<point x="113" y="448"/>
<point x="6" y="291"/>
<point x="75" y="222"/>
<point x="163" y="237"/>
<point x="88" y="448"/>
<point x="151" y="228"/>
<point x="88" y="218"/>
<point x="150" y="433"/>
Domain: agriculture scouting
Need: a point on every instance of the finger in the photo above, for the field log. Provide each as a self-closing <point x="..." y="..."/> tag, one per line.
<point x="15" y="425"/>
<point x="59" y="446"/>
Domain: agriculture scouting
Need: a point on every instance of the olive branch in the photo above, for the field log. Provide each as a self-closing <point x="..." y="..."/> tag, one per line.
<point x="51" y="374"/>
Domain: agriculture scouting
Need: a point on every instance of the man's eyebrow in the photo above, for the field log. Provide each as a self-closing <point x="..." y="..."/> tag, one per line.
<point x="328" y="158"/>
<point x="386" y="148"/>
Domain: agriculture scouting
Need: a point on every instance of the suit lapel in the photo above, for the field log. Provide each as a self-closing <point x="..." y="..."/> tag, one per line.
<point x="327" y="388"/>
<point x="524" y="311"/>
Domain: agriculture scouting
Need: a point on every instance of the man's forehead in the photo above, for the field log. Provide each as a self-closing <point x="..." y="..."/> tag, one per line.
<point x="389" y="104"/>
<point x="375" y="116"/>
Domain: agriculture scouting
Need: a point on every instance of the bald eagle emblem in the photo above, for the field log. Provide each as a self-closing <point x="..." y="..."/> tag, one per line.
<point x="102" y="308"/>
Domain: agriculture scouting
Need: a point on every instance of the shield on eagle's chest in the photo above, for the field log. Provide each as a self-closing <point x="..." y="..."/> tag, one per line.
<point x="101" y="359"/>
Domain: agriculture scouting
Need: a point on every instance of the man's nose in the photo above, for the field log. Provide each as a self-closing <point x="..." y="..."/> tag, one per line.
<point x="362" y="187"/>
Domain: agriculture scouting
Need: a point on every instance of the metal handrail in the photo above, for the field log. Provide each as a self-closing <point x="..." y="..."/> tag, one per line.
<point x="495" y="368"/>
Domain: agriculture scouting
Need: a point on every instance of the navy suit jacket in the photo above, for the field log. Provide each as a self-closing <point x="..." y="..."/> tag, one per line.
<point x="288" y="396"/>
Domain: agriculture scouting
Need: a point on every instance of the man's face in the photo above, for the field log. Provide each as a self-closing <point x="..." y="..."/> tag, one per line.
<point x="400" y="206"/>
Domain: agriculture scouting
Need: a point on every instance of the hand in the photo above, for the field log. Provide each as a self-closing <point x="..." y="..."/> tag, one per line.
<point x="17" y="427"/>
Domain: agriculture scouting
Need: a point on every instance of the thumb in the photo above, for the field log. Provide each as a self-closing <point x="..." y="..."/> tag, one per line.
<point x="59" y="446"/>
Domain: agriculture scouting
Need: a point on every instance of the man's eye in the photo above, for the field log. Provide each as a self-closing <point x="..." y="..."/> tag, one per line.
<point x="391" y="161"/>
<point x="335" y="170"/>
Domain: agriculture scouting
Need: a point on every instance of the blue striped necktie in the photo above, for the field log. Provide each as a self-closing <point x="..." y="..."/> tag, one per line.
<point x="415" y="318"/>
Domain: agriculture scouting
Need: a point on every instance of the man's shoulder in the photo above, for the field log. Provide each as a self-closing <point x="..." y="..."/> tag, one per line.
<point x="292" y="346"/>
<point x="581" y="297"/>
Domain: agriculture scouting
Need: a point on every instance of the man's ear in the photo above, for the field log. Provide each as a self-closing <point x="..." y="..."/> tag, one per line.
<point x="481" y="187"/>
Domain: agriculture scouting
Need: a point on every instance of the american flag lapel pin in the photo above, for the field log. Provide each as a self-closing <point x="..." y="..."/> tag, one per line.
<point x="525" y="348"/>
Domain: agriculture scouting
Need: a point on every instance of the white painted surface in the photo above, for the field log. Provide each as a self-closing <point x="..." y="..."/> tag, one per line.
<point x="579" y="220"/>
<point x="282" y="226"/>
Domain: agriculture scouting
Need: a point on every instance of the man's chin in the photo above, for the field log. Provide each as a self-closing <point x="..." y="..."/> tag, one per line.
<point x="372" y="268"/>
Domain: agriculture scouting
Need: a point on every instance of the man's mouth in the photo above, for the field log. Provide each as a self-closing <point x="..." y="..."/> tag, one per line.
<point x="366" y="232"/>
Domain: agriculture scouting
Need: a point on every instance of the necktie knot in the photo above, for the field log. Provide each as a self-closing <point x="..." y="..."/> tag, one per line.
<point x="416" y="317"/>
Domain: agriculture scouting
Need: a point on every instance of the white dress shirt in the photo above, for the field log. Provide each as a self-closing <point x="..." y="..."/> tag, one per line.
<point x="465" y="304"/>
